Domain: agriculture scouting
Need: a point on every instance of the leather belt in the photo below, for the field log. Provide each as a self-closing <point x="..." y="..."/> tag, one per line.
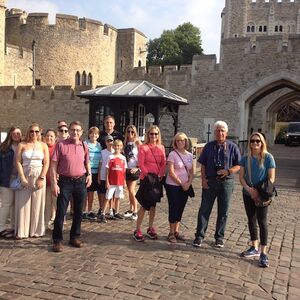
<point x="72" y="178"/>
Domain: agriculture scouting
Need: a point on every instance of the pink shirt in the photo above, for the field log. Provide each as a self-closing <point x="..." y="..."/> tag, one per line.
<point x="70" y="158"/>
<point x="151" y="161"/>
<point x="179" y="168"/>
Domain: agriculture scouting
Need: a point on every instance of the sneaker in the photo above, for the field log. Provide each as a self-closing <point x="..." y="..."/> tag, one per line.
<point x="138" y="236"/>
<point x="219" y="243"/>
<point x="263" y="261"/>
<point x="91" y="216"/>
<point x="151" y="233"/>
<point x="128" y="214"/>
<point x="85" y="216"/>
<point x="99" y="213"/>
<point x="197" y="242"/>
<point x="251" y="252"/>
<point x="134" y="216"/>
<point x="102" y="219"/>
<point x="119" y="216"/>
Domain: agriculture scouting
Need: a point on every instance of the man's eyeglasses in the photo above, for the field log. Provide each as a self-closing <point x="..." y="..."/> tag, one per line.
<point x="75" y="130"/>
<point x="63" y="130"/>
<point x="153" y="133"/>
<point x="34" y="131"/>
<point x="255" y="141"/>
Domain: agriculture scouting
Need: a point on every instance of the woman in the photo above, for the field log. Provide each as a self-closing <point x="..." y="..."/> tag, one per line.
<point x="152" y="162"/>
<point x="178" y="181"/>
<point x="132" y="142"/>
<point x="262" y="166"/>
<point x="32" y="161"/>
<point x="50" y="205"/>
<point x="8" y="172"/>
<point x="94" y="157"/>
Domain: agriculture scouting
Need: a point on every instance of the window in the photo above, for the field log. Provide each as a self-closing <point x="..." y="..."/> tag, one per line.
<point x="265" y="28"/>
<point x="276" y="28"/>
<point x="121" y="63"/>
<point x="252" y="28"/>
<point x="260" y="29"/>
<point x="90" y="79"/>
<point x="77" y="78"/>
<point x="83" y="78"/>
<point x="140" y="63"/>
<point x="248" y="28"/>
<point x="38" y="82"/>
<point x="141" y="120"/>
<point x="280" y="28"/>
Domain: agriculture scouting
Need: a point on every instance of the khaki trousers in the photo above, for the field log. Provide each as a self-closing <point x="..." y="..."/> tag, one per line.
<point x="7" y="203"/>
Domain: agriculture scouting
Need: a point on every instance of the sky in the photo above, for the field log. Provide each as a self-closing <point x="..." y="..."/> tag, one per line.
<point x="149" y="16"/>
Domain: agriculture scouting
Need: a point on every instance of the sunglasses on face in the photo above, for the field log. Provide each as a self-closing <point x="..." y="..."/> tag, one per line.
<point x="180" y="140"/>
<point x="34" y="131"/>
<point x="109" y="141"/>
<point x="255" y="141"/>
<point x="153" y="133"/>
<point x="130" y="131"/>
<point x="63" y="130"/>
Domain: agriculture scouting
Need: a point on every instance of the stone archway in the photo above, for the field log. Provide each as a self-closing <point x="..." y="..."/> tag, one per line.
<point x="258" y="91"/>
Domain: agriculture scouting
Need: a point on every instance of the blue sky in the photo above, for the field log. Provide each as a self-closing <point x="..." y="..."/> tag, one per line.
<point x="149" y="16"/>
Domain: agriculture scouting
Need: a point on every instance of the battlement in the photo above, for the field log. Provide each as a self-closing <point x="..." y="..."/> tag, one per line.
<point x="269" y="2"/>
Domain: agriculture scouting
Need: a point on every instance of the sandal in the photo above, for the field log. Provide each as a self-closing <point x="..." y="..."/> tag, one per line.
<point x="171" y="238"/>
<point x="179" y="237"/>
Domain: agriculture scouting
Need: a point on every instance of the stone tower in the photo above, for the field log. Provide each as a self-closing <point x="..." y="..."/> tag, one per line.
<point x="2" y="40"/>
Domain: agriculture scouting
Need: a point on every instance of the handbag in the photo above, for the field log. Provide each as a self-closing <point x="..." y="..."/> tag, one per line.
<point x="16" y="184"/>
<point x="266" y="189"/>
<point x="190" y="191"/>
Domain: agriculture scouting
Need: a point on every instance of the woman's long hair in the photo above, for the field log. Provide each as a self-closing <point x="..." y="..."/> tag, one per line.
<point x="147" y="140"/>
<point x="27" y="136"/>
<point x="5" y="146"/>
<point x="263" y="149"/>
<point x="135" y="133"/>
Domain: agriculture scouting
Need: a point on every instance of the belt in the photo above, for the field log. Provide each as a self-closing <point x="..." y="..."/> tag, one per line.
<point x="72" y="178"/>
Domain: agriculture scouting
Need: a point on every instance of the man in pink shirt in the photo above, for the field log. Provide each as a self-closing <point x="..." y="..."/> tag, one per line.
<point x="70" y="163"/>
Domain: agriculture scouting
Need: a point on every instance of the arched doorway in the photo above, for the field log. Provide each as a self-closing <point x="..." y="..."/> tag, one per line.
<point x="260" y="103"/>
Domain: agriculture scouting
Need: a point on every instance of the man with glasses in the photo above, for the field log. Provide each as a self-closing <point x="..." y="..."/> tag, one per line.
<point x="219" y="161"/>
<point x="109" y="125"/>
<point x="70" y="161"/>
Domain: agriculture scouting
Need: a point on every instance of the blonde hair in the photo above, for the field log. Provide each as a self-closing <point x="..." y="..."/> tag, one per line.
<point x="135" y="133"/>
<point x="117" y="142"/>
<point x="181" y="135"/>
<point x="263" y="149"/>
<point x="27" y="136"/>
<point x="155" y="127"/>
<point x="94" y="129"/>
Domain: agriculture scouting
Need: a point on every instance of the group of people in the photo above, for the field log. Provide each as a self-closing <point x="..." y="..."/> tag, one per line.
<point x="107" y="162"/>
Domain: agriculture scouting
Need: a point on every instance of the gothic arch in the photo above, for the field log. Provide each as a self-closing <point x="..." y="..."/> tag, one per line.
<point x="260" y="89"/>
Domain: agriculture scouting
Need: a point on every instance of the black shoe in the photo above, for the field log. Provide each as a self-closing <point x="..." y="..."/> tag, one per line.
<point x="219" y="243"/>
<point x="119" y="216"/>
<point x="197" y="242"/>
<point x="102" y="219"/>
<point x="85" y="216"/>
<point x="91" y="216"/>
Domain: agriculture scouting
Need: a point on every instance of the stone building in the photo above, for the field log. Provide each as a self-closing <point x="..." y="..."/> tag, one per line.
<point x="256" y="79"/>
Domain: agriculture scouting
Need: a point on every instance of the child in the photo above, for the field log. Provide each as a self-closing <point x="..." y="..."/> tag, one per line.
<point x="105" y="153"/>
<point x="115" y="177"/>
<point x="94" y="157"/>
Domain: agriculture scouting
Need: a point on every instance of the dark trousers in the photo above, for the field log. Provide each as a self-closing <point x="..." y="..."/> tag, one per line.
<point x="177" y="199"/>
<point x="256" y="215"/>
<point x="222" y="190"/>
<point x="68" y="188"/>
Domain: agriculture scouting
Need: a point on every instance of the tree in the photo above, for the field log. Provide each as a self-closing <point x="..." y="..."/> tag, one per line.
<point x="175" y="46"/>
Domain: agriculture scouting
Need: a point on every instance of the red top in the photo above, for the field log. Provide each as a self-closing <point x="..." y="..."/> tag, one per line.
<point x="70" y="158"/>
<point x="51" y="150"/>
<point x="117" y="167"/>
<point x="152" y="159"/>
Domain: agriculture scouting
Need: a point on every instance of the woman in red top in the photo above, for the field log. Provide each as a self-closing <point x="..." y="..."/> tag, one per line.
<point x="50" y="205"/>
<point x="151" y="161"/>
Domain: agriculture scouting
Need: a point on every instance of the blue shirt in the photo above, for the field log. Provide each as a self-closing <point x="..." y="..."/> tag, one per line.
<point x="226" y="156"/>
<point x="94" y="155"/>
<point x="258" y="173"/>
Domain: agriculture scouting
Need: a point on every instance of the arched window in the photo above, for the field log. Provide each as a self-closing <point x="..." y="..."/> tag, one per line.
<point x="121" y="63"/>
<point x="276" y="28"/>
<point x="248" y="28"/>
<point x="252" y="28"/>
<point x="90" y="79"/>
<point x="140" y="63"/>
<point x="260" y="28"/>
<point x="77" y="78"/>
<point x="265" y="28"/>
<point x="83" y="78"/>
<point x="280" y="28"/>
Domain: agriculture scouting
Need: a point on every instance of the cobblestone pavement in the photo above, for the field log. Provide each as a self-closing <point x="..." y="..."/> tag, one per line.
<point x="111" y="265"/>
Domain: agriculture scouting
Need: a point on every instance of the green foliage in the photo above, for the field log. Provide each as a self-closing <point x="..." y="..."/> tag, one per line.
<point x="175" y="47"/>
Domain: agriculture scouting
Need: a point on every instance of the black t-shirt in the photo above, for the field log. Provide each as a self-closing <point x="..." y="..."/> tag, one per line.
<point x="115" y="134"/>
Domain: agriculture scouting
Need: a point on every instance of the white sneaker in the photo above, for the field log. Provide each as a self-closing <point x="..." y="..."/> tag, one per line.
<point x="134" y="216"/>
<point x="128" y="214"/>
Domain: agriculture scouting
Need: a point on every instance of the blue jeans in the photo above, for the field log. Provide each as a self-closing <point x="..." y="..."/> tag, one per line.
<point x="222" y="190"/>
<point x="68" y="188"/>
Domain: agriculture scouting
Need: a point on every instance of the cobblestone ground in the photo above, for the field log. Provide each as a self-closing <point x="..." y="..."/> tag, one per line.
<point x="111" y="265"/>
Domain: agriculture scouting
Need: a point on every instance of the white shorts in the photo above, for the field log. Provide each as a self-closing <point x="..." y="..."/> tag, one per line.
<point x="114" y="189"/>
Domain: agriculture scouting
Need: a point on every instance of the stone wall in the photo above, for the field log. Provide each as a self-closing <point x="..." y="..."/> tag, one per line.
<point x="2" y="40"/>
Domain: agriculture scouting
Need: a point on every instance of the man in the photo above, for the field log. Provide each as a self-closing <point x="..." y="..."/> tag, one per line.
<point x="109" y="125"/>
<point x="70" y="161"/>
<point x="219" y="161"/>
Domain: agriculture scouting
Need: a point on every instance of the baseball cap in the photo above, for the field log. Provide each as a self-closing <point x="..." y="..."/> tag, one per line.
<point x="109" y="138"/>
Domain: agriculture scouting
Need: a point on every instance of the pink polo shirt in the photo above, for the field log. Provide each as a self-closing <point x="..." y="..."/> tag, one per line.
<point x="70" y="158"/>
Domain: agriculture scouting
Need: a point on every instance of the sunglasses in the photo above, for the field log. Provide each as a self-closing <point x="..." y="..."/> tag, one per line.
<point x="255" y="141"/>
<point x="180" y="140"/>
<point x="34" y="131"/>
<point x="109" y="141"/>
<point x="153" y="133"/>
<point x="130" y="131"/>
<point x="63" y="130"/>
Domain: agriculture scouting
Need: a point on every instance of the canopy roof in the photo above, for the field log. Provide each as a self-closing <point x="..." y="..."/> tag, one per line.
<point x="134" y="89"/>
